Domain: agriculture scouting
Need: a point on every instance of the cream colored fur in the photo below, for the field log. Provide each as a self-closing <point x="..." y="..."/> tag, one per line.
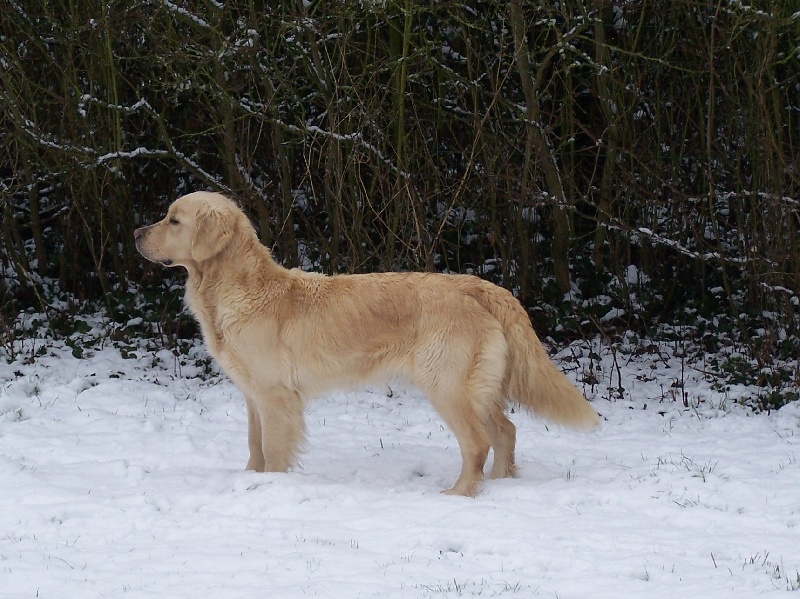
<point x="284" y="336"/>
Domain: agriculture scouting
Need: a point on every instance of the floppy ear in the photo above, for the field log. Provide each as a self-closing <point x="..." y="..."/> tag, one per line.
<point x="213" y="232"/>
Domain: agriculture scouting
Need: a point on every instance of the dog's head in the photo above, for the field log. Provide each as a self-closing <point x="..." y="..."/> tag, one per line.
<point x="197" y="228"/>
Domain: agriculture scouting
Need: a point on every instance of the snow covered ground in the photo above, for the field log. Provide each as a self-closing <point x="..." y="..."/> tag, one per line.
<point x="123" y="477"/>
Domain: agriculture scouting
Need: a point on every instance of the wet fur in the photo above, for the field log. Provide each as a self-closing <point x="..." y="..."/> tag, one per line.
<point x="284" y="336"/>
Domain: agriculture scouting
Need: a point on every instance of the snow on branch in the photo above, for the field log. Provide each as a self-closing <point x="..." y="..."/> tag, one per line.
<point x="359" y="140"/>
<point x="657" y="239"/>
<point x="179" y="10"/>
<point x="100" y="157"/>
<point x="131" y="154"/>
<point x="199" y="171"/>
<point x="85" y="99"/>
<point x="258" y="109"/>
<point x="248" y="179"/>
<point x="671" y="243"/>
<point x="48" y="141"/>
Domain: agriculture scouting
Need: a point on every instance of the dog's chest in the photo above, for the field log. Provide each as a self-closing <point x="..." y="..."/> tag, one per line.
<point x="232" y="337"/>
<point x="212" y="317"/>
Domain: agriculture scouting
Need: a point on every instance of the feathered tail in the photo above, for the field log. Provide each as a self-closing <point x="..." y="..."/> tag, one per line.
<point x="532" y="380"/>
<point x="535" y="383"/>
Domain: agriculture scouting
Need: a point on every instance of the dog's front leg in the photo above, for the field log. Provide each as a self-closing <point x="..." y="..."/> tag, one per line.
<point x="280" y="412"/>
<point x="256" y="461"/>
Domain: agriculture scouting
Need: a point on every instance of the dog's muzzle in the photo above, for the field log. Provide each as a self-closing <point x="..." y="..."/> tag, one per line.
<point x="138" y="236"/>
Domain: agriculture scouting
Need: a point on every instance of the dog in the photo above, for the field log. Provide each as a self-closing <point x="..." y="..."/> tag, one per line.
<point x="284" y="336"/>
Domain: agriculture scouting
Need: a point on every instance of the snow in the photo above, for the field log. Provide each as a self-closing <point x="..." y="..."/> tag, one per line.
<point x="634" y="276"/>
<point x="189" y="15"/>
<point x="124" y="477"/>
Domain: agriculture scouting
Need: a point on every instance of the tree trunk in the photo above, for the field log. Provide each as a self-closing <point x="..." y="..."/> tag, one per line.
<point x="562" y="230"/>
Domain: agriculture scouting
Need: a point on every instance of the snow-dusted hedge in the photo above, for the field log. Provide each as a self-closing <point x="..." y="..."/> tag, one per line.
<point x="555" y="149"/>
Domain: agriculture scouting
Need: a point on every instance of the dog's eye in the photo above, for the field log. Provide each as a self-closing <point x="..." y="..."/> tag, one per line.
<point x="174" y="221"/>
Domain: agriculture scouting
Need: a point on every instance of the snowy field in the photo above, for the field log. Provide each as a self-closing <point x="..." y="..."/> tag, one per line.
<point x="123" y="477"/>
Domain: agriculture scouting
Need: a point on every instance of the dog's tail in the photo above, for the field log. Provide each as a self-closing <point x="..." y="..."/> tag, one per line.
<point x="536" y="384"/>
<point x="532" y="381"/>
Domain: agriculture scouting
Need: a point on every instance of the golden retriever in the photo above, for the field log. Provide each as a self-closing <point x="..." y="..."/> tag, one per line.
<point x="284" y="336"/>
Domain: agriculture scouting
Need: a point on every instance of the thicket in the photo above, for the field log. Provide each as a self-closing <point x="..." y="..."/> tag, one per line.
<point x="618" y="165"/>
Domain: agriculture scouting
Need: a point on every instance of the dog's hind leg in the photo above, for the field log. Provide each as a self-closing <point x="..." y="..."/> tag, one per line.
<point x="256" y="461"/>
<point x="463" y="378"/>
<point x="502" y="437"/>
<point x="280" y="412"/>
<point x="484" y="388"/>
<point x="464" y="421"/>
